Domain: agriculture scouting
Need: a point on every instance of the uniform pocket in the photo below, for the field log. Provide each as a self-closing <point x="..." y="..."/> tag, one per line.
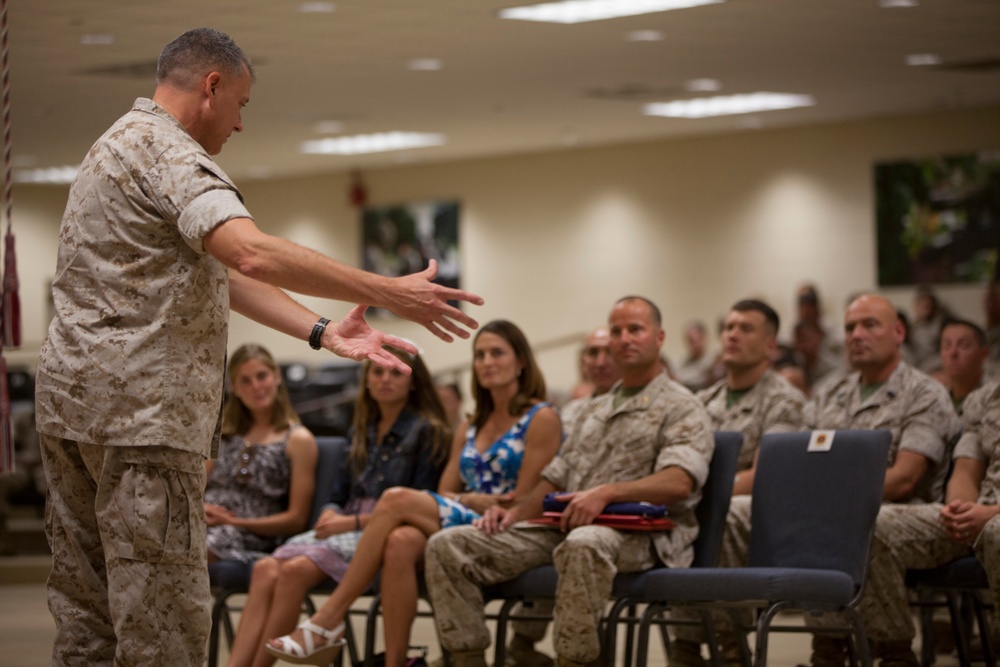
<point x="161" y="517"/>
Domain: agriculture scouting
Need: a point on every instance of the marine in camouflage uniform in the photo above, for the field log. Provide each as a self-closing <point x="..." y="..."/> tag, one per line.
<point x="925" y="536"/>
<point x="913" y="407"/>
<point x="130" y="379"/>
<point x="642" y="438"/>
<point x="128" y="392"/>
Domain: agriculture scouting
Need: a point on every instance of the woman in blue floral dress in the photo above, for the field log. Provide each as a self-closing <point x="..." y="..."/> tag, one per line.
<point x="399" y="437"/>
<point x="497" y="455"/>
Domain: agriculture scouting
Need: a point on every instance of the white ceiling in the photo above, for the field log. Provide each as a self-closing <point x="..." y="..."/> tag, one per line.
<point x="506" y="86"/>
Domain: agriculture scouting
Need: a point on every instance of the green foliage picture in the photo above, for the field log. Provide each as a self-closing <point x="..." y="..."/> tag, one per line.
<point x="938" y="219"/>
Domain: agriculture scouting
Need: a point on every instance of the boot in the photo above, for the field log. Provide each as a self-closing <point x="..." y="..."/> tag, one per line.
<point x="686" y="653"/>
<point x="566" y="662"/>
<point x="897" y="654"/>
<point x="468" y="659"/>
<point x="521" y="652"/>
<point x="828" y="651"/>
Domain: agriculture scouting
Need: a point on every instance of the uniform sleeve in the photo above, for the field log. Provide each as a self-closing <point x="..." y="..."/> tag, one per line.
<point x="687" y="441"/>
<point x="976" y="428"/>
<point x="192" y="190"/>
<point x="930" y="424"/>
<point x="785" y="413"/>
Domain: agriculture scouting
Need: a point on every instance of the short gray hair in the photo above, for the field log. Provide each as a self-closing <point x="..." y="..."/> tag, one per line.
<point x="198" y="52"/>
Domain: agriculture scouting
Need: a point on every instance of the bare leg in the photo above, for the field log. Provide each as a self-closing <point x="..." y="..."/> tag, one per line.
<point x="296" y="576"/>
<point x="255" y="612"/>
<point x="398" y="506"/>
<point x="404" y="553"/>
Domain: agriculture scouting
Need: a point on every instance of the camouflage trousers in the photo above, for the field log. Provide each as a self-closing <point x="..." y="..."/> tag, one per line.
<point x="733" y="553"/>
<point x="911" y="536"/>
<point x="460" y="560"/>
<point x="129" y="582"/>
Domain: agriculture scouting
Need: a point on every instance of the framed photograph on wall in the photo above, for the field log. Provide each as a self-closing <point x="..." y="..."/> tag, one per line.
<point x="401" y="239"/>
<point x="938" y="219"/>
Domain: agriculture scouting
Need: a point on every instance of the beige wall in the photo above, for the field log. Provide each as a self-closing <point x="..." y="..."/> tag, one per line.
<point x="551" y="240"/>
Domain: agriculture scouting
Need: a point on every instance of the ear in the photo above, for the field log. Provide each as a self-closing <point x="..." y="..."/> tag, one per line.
<point x="210" y="83"/>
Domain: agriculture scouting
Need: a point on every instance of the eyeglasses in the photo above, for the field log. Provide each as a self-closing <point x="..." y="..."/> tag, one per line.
<point x="245" y="462"/>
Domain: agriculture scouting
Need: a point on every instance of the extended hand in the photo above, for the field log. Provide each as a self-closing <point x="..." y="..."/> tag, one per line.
<point x="426" y="303"/>
<point x="352" y="338"/>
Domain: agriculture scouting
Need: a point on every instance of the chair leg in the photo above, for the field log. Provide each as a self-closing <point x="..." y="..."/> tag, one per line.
<point x="960" y="629"/>
<point x="985" y="632"/>
<point x="642" y="648"/>
<point x="926" y="628"/>
<point x="370" y="628"/>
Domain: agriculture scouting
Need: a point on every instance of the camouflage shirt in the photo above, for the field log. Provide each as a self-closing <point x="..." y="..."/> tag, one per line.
<point x="135" y="354"/>
<point x="663" y="425"/>
<point x="981" y="438"/>
<point x="771" y="405"/>
<point x="914" y="407"/>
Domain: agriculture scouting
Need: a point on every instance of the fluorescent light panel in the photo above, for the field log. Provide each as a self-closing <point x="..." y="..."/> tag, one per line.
<point x="372" y="143"/>
<point x="54" y="175"/>
<point x="725" y="105"/>
<point x="578" y="11"/>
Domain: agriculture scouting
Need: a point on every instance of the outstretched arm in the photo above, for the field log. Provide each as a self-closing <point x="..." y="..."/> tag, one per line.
<point x="351" y="337"/>
<point x="241" y="246"/>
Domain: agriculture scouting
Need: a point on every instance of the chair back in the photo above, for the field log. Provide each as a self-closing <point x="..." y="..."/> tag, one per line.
<point x="815" y="503"/>
<point x="329" y="470"/>
<point x="715" y="496"/>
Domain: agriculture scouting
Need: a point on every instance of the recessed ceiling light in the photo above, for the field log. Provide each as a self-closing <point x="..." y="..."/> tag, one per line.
<point x="425" y="64"/>
<point x="95" y="39"/>
<point x="725" y="105"/>
<point x="317" y="7"/>
<point x="54" y="175"/>
<point x="578" y="11"/>
<point x="372" y="143"/>
<point x="702" y="85"/>
<point x="889" y="4"/>
<point x="645" y="36"/>
<point x="923" y="59"/>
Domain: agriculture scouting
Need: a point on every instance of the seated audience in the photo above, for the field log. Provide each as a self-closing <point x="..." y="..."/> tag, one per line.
<point x="400" y="437"/>
<point x="753" y="400"/>
<point x="450" y="395"/>
<point x="929" y="535"/>
<point x="648" y="439"/>
<point x="929" y="315"/>
<point x="963" y="359"/>
<point x="884" y="392"/>
<point x="818" y="361"/>
<point x="260" y="487"/>
<point x="695" y="372"/>
<point x="495" y="459"/>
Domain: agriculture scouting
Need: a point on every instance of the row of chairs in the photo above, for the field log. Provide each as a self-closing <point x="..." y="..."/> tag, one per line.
<point x="814" y="509"/>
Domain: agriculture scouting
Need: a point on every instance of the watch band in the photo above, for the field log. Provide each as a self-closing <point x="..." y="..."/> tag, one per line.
<point x="317" y="333"/>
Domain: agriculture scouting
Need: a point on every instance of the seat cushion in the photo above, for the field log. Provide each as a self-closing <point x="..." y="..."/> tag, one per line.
<point x="965" y="572"/>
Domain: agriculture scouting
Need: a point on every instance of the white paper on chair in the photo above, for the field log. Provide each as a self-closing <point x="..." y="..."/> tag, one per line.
<point x="820" y="441"/>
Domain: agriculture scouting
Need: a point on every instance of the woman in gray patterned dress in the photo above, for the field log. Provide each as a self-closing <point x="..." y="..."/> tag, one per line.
<point x="260" y="487"/>
<point x="400" y="438"/>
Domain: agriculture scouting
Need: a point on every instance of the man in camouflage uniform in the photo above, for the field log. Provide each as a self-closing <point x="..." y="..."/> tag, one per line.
<point x="963" y="359"/>
<point x="155" y="247"/>
<point x="600" y="369"/>
<point x="925" y="536"/>
<point x="647" y="439"/>
<point x="753" y="400"/>
<point x="885" y="392"/>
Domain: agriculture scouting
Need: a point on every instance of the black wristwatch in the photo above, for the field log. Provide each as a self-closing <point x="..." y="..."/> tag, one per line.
<point x="317" y="333"/>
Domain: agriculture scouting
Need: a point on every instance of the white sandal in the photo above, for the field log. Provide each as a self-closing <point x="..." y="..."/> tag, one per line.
<point x="293" y="652"/>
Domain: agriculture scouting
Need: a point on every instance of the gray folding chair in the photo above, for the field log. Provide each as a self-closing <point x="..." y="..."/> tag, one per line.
<point x="813" y="510"/>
